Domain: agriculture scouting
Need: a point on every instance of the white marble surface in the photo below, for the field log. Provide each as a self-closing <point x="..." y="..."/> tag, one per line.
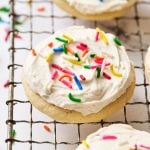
<point x="135" y="35"/>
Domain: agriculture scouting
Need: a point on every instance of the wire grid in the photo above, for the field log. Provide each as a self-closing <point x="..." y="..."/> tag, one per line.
<point x="136" y="51"/>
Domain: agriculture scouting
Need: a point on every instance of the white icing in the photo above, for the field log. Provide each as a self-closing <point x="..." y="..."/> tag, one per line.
<point x="127" y="138"/>
<point x="96" y="6"/>
<point x="97" y="92"/>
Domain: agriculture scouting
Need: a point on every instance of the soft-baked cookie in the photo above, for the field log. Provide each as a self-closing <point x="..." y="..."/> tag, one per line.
<point x="79" y="75"/>
<point x="117" y="137"/>
<point x="147" y="65"/>
<point x="96" y="9"/>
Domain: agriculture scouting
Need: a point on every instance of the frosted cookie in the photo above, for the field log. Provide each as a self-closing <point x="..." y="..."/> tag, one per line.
<point x="147" y="65"/>
<point x="79" y="75"/>
<point x="96" y="9"/>
<point x="117" y="137"/>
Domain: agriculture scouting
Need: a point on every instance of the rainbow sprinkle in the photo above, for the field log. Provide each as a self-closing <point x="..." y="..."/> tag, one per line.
<point x="114" y="72"/>
<point x="66" y="76"/>
<point x="116" y="40"/>
<point x="109" y="137"/>
<point x="68" y="38"/>
<point x="64" y="48"/>
<point x="68" y="84"/>
<point x="61" y="40"/>
<point x="61" y="69"/>
<point x="13" y="133"/>
<point x="49" y="57"/>
<point x="98" y="72"/>
<point x="85" y="144"/>
<point x="34" y="52"/>
<point x="82" y="77"/>
<point x="102" y="36"/>
<point x="73" y="61"/>
<point x="46" y="128"/>
<point x="77" y="82"/>
<point x="75" y="99"/>
<point x="58" y="49"/>
<point x="54" y="75"/>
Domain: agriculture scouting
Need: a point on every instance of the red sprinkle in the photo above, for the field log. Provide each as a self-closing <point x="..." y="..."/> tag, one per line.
<point x="41" y="9"/>
<point x="82" y="77"/>
<point x="6" y="84"/>
<point x="80" y="47"/>
<point x="97" y="36"/>
<point x="106" y="76"/>
<point x="47" y="128"/>
<point x="84" y="45"/>
<point x="50" y="44"/>
<point x="109" y="137"/>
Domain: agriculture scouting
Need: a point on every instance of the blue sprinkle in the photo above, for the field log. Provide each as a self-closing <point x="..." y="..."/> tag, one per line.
<point x="59" y="49"/>
<point x="77" y="82"/>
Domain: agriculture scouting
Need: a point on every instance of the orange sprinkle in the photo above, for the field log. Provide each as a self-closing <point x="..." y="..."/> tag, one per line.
<point x="47" y="128"/>
<point x="70" y="50"/>
<point x="33" y="52"/>
<point x="84" y="53"/>
<point x="64" y="76"/>
<point x="50" y="44"/>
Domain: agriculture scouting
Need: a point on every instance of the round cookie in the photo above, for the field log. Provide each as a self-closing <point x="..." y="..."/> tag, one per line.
<point x="79" y="75"/>
<point x="96" y="9"/>
<point x="147" y="65"/>
<point x="117" y="137"/>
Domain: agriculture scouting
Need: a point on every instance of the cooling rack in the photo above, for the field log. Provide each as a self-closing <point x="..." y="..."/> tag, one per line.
<point x="133" y="29"/>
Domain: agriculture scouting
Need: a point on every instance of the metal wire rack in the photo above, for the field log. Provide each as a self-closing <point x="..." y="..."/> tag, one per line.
<point x="132" y="29"/>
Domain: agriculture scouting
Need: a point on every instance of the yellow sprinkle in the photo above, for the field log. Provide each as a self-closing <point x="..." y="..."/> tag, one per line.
<point x="85" y="143"/>
<point x="102" y="36"/>
<point x="68" y="38"/>
<point x="49" y="57"/>
<point x="74" y="61"/>
<point x="114" y="72"/>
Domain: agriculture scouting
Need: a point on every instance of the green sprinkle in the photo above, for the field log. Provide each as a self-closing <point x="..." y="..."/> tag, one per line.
<point x="116" y="40"/>
<point x="18" y="22"/>
<point x="13" y="133"/>
<point x="75" y="99"/>
<point x="98" y="72"/>
<point x="4" y="9"/>
<point x="86" y="66"/>
<point x="61" y="40"/>
<point x="76" y="55"/>
<point x="92" y="55"/>
<point x="64" y="48"/>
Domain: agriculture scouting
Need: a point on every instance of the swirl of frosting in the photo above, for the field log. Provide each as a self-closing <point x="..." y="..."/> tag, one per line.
<point x="97" y="6"/>
<point x="117" y="137"/>
<point x="79" y="69"/>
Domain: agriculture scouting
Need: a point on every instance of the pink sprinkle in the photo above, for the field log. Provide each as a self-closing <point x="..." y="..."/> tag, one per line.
<point x="66" y="83"/>
<point x="82" y="77"/>
<point x="6" y="35"/>
<point x="67" y="71"/>
<point x="54" y="75"/>
<point x="18" y="36"/>
<point x="109" y="137"/>
<point x="84" y="45"/>
<point x="6" y="84"/>
<point x="80" y="47"/>
<point x="106" y="76"/>
<point x="61" y="69"/>
<point x="97" y="36"/>
<point x="146" y="147"/>
<point x="41" y="9"/>
<point x="100" y="65"/>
